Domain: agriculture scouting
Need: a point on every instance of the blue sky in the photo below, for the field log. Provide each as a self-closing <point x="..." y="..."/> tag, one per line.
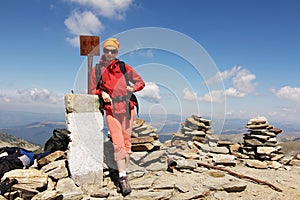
<point x="252" y="46"/>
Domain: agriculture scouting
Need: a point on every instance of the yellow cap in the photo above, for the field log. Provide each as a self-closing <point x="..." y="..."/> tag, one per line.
<point x="111" y="42"/>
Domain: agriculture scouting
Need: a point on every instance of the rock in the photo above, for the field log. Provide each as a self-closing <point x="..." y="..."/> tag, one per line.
<point x="234" y="148"/>
<point x="56" y="169"/>
<point x="67" y="186"/>
<point x="186" y="164"/>
<point x="257" y="164"/>
<point x="51" y="157"/>
<point x="222" y="150"/>
<point x="28" y="178"/>
<point x="235" y="187"/>
<point x="295" y="162"/>
<point x="225" y="143"/>
<point x="227" y="160"/>
<point x="258" y="120"/>
<point x="47" y="195"/>
<point x="221" y="195"/>
<point x="277" y="157"/>
<point x="265" y="150"/>
<point x="274" y="164"/>
<point x="275" y="130"/>
<point x="138" y="122"/>
<point x="261" y="137"/>
<point x="194" y="194"/>
<point x="189" y="155"/>
<point x="253" y="142"/>
<point x="142" y="140"/>
<point x="142" y="147"/>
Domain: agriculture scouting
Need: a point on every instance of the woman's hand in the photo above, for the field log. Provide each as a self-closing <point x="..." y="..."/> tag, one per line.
<point x="106" y="97"/>
<point x="129" y="89"/>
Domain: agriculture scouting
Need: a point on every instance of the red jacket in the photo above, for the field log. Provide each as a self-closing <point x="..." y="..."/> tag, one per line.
<point x="114" y="83"/>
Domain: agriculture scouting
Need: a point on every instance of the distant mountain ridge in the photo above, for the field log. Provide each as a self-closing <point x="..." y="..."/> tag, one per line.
<point x="36" y="133"/>
<point x="7" y="140"/>
<point x="17" y="118"/>
<point x="38" y="127"/>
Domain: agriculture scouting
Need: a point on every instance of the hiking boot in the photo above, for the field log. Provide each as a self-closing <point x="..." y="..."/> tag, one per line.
<point x="114" y="175"/>
<point x="125" y="186"/>
<point x="118" y="186"/>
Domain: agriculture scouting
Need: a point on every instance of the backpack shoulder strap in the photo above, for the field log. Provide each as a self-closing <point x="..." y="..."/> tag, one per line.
<point x="123" y="70"/>
<point x="133" y="97"/>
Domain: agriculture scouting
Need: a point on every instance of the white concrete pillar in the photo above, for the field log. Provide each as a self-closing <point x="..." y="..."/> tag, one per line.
<point x="85" y="155"/>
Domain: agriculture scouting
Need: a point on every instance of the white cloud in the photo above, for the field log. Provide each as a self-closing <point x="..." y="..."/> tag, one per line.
<point x="242" y="84"/>
<point x="243" y="81"/>
<point x="75" y="41"/>
<point x="38" y="95"/>
<point x="107" y="8"/>
<point x="85" y="23"/>
<point x="214" y="96"/>
<point x="220" y="76"/>
<point x="33" y="100"/>
<point x="189" y="95"/>
<point x="5" y="99"/>
<point x="150" y="92"/>
<point x="234" y="92"/>
<point x="218" y="96"/>
<point x="288" y="92"/>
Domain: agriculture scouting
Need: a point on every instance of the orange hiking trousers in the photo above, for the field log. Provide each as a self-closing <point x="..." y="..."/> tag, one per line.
<point x="120" y="128"/>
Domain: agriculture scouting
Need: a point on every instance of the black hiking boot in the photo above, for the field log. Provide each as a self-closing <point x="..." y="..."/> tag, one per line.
<point x="125" y="186"/>
<point x="114" y="175"/>
<point x="118" y="186"/>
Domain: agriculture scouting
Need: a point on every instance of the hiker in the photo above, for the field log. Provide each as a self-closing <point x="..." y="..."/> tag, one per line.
<point x="112" y="84"/>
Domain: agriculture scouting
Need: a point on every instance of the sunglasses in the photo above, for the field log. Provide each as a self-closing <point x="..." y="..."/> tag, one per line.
<point x="114" y="51"/>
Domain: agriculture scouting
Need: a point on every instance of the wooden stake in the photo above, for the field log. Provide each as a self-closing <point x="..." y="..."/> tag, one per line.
<point x="241" y="176"/>
<point x="90" y="65"/>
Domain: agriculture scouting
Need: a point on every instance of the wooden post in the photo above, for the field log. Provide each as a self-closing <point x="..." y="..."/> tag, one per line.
<point x="90" y="65"/>
<point x="89" y="46"/>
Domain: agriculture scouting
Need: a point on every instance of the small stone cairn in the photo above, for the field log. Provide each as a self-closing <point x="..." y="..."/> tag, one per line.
<point x="198" y="130"/>
<point x="261" y="143"/>
<point x="144" y="137"/>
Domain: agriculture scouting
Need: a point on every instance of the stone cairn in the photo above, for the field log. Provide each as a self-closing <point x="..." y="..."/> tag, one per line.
<point x="197" y="136"/>
<point x="261" y="143"/>
<point x="144" y="137"/>
<point x="198" y="128"/>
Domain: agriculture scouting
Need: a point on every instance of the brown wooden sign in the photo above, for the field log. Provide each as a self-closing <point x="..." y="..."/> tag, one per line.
<point x="89" y="45"/>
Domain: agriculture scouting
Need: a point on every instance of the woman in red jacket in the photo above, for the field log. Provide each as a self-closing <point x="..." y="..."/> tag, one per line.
<point x="114" y="89"/>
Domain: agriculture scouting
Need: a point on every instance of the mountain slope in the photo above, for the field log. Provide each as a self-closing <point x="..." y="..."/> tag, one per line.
<point x="36" y="133"/>
<point x="7" y="140"/>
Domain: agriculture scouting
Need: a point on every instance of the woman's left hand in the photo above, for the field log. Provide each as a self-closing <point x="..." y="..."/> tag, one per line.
<point x="129" y="89"/>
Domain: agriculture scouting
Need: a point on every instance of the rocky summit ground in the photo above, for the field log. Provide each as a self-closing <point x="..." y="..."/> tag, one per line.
<point x="205" y="183"/>
<point x="150" y="179"/>
<point x="194" y="164"/>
